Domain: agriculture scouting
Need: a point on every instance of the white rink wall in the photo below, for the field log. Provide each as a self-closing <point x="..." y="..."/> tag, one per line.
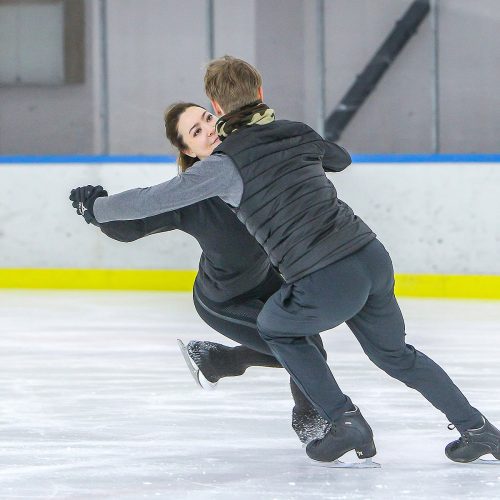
<point x="40" y="229"/>
<point x="434" y="218"/>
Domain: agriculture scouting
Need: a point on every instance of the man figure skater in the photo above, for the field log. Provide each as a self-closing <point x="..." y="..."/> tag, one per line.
<point x="335" y="269"/>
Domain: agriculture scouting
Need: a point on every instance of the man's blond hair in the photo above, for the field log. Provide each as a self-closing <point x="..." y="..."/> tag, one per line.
<point x="232" y="82"/>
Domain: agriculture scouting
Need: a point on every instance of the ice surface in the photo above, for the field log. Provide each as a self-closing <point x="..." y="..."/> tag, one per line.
<point x="97" y="402"/>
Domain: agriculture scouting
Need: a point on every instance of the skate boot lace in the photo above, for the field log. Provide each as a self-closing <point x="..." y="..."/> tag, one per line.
<point x="464" y="436"/>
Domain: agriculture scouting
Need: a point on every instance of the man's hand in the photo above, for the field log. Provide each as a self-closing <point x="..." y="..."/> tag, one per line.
<point x="83" y="199"/>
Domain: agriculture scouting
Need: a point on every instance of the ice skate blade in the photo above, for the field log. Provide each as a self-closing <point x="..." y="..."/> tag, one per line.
<point x="199" y="378"/>
<point x="483" y="461"/>
<point x="367" y="463"/>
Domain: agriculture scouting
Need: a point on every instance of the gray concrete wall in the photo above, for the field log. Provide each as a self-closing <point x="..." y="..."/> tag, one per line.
<point x="156" y="56"/>
<point x="469" y="76"/>
<point x="280" y="55"/>
<point x="62" y="119"/>
<point x="157" y="49"/>
<point x="397" y="116"/>
<point x="235" y="29"/>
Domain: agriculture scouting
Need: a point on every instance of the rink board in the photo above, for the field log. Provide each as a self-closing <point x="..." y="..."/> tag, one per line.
<point x="437" y="216"/>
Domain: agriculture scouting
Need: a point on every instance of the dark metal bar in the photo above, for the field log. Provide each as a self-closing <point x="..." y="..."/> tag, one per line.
<point x="365" y="82"/>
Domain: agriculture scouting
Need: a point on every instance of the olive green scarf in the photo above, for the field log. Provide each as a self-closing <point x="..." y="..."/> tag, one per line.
<point x="255" y="113"/>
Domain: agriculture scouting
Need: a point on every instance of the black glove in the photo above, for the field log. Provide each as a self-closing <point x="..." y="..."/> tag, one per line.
<point x="83" y="199"/>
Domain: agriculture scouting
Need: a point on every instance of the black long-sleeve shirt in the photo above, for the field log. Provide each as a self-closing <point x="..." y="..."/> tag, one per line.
<point x="232" y="262"/>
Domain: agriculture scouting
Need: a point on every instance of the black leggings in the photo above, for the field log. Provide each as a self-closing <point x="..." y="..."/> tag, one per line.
<point x="236" y="319"/>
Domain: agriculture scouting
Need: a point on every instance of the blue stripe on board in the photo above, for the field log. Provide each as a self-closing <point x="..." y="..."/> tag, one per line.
<point x="357" y="158"/>
<point x="430" y="158"/>
<point x="88" y="159"/>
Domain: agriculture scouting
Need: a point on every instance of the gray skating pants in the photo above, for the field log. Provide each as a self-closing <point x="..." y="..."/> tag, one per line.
<point x="358" y="290"/>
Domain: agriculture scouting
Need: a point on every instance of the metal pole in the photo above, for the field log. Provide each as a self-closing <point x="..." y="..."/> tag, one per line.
<point x="104" y="100"/>
<point x="320" y="66"/>
<point x="435" y="70"/>
<point x="210" y="29"/>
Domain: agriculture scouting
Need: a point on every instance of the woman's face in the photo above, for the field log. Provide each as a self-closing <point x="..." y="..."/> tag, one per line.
<point x="197" y="128"/>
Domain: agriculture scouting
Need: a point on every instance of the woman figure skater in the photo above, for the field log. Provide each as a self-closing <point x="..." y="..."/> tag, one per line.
<point x="234" y="277"/>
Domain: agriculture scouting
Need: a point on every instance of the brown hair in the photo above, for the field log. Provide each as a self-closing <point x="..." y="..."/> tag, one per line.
<point x="171" y="117"/>
<point x="232" y="82"/>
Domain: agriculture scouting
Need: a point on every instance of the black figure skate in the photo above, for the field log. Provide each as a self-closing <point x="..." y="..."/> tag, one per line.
<point x="475" y="443"/>
<point x="350" y="432"/>
<point x="194" y="355"/>
<point x="308" y="424"/>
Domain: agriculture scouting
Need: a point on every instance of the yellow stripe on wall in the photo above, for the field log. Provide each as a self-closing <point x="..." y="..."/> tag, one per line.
<point x="407" y="285"/>
<point x="98" y="279"/>
<point x="448" y="286"/>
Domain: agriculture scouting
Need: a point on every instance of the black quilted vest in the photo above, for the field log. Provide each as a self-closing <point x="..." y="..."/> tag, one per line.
<point x="288" y="204"/>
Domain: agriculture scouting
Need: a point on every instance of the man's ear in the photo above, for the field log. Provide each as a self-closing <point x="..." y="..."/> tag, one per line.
<point x="217" y="109"/>
<point x="260" y="93"/>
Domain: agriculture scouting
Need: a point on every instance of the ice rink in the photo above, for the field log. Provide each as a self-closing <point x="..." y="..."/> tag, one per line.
<point x="98" y="403"/>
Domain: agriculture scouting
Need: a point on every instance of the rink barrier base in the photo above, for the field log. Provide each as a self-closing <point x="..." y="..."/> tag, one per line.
<point x="98" y="279"/>
<point x="407" y="285"/>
